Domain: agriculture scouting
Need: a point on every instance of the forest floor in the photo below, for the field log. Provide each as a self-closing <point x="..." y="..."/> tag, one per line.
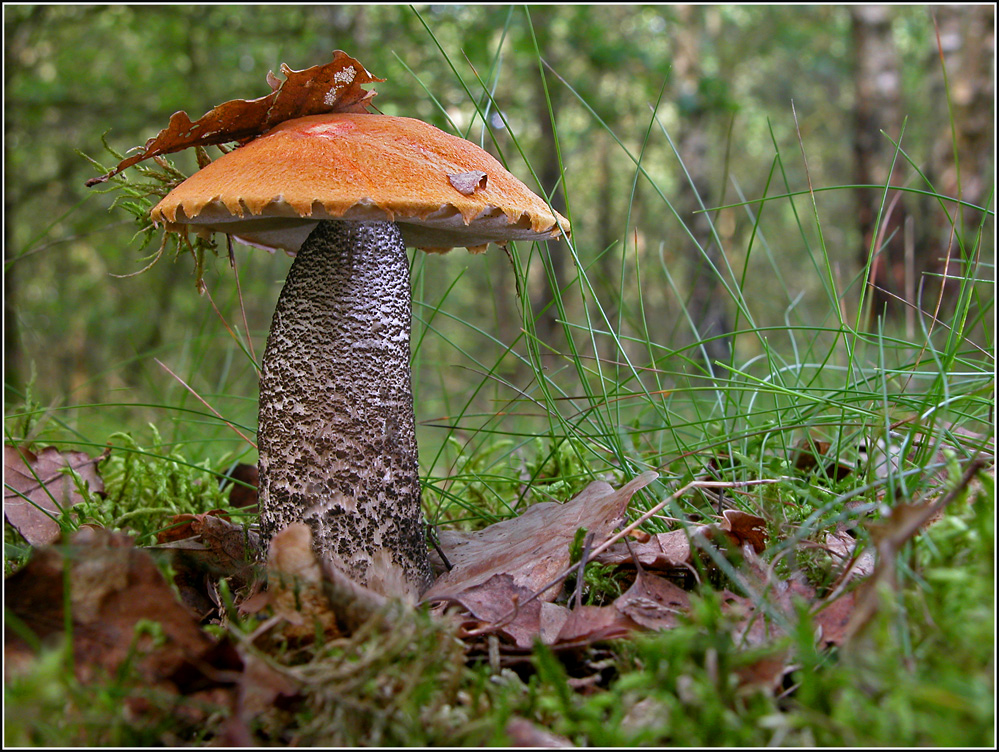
<point x="165" y="627"/>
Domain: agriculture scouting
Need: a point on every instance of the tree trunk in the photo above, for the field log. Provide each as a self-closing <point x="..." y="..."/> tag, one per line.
<point x="546" y="326"/>
<point x="877" y="107"/>
<point x="337" y="438"/>
<point x="706" y="305"/>
<point x="11" y="331"/>
<point x="963" y="159"/>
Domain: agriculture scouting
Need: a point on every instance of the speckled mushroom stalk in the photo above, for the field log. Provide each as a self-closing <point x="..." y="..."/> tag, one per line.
<point x="336" y="436"/>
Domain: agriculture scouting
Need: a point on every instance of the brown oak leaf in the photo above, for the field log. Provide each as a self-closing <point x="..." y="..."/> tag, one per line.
<point x="333" y="87"/>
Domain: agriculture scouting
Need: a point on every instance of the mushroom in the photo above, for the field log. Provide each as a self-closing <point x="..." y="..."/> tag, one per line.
<point x="347" y="193"/>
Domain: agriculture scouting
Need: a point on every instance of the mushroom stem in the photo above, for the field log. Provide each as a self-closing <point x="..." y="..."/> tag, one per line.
<point x="336" y="436"/>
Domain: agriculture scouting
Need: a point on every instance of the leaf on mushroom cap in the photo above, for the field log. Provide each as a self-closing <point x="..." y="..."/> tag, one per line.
<point x="443" y="191"/>
<point x="334" y="87"/>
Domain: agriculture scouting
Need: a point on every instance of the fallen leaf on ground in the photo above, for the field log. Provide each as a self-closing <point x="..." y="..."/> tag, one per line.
<point x="260" y="686"/>
<point x="205" y="548"/>
<point x="311" y="595"/>
<point x="889" y="535"/>
<point x="112" y="587"/>
<point x="589" y="624"/>
<point x="765" y="672"/>
<point x="534" y="547"/>
<point x="740" y="528"/>
<point x="745" y="528"/>
<point x="810" y="455"/>
<point x="523" y="733"/>
<point x="843" y="548"/>
<point x="294" y="586"/>
<point x="37" y="489"/>
<point x="180" y="526"/>
<point x="653" y="602"/>
<point x="496" y="602"/>
<point x="832" y="619"/>
<point x="234" y="548"/>
<point x="661" y="552"/>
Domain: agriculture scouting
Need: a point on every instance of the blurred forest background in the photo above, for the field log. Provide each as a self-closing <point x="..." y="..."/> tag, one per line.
<point x="717" y="104"/>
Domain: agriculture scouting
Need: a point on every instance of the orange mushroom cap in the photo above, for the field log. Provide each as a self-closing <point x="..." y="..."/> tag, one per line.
<point x="443" y="191"/>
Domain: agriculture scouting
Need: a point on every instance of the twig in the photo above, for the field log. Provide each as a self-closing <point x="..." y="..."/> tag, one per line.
<point x="587" y="542"/>
<point x="647" y="515"/>
<point x="202" y="401"/>
<point x="239" y="294"/>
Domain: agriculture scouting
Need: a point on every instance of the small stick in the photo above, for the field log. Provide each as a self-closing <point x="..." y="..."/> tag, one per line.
<point x="587" y="542"/>
<point x="647" y="515"/>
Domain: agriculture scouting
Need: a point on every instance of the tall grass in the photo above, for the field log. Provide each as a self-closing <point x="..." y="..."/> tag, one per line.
<point x="505" y="422"/>
<point x="626" y="396"/>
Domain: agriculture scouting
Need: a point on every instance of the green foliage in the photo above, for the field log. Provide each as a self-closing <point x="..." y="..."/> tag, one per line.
<point x="397" y="687"/>
<point x="917" y="677"/>
<point x="601" y="582"/>
<point x="138" y="190"/>
<point x="625" y="375"/>
<point x="49" y="707"/>
<point x="494" y="480"/>
<point x="146" y="486"/>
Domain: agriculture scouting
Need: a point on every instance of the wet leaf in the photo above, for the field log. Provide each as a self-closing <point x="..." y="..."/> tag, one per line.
<point x="334" y="87"/>
<point x="37" y="489"/>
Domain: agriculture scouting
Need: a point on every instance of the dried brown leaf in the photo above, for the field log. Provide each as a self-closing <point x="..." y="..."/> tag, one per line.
<point x="496" y="602"/>
<point x="661" y="552"/>
<point x="810" y="454"/>
<point x="233" y="547"/>
<point x="260" y="685"/>
<point x="294" y="586"/>
<point x="653" y="602"/>
<point x="843" y="547"/>
<point x="333" y="87"/>
<point x="833" y="619"/>
<point x="589" y="624"/>
<point x="36" y="489"/>
<point x="534" y="547"/>
<point x="467" y="183"/>
<point x="553" y="618"/>
<point x="112" y="587"/>
<point x="523" y="733"/>
<point x="745" y="528"/>
<point x="765" y="672"/>
<point x="180" y="527"/>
